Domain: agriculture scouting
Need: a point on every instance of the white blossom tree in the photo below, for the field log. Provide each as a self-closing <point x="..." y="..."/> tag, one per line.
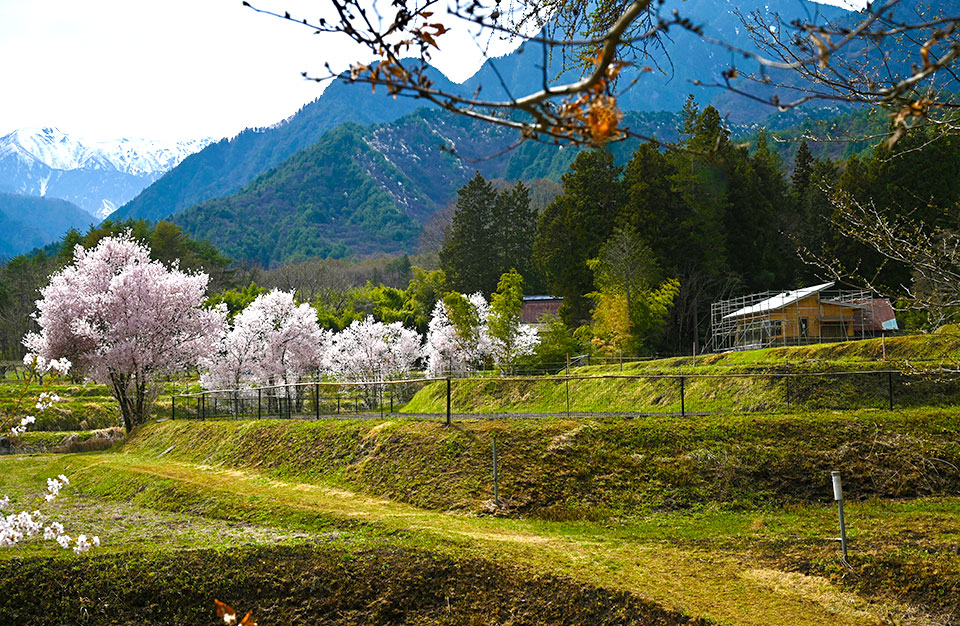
<point x="372" y="350"/>
<point x="273" y="341"/>
<point x="460" y="342"/>
<point x="124" y="320"/>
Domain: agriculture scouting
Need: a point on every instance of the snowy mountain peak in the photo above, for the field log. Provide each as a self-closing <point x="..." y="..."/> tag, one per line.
<point x="98" y="176"/>
<point x="59" y="151"/>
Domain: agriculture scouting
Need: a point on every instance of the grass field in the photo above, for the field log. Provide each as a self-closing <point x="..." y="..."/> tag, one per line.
<point x="724" y="518"/>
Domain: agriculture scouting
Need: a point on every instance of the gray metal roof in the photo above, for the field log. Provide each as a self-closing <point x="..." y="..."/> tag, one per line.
<point x="778" y="301"/>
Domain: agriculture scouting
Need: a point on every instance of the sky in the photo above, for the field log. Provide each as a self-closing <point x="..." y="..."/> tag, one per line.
<point x="176" y="69"/>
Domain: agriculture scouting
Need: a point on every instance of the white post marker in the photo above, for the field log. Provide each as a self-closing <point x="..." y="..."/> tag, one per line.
<point x="838" y="496"/>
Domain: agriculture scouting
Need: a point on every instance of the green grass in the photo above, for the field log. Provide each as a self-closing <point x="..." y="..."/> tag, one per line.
<point x="731" y="567"/>
<point x="731" y="382"/>
<point x="596" y="469"/>
<point x="86" y="406"/>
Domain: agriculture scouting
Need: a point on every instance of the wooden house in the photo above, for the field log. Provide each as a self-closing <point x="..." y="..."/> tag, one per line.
<point x="802" y="316"/>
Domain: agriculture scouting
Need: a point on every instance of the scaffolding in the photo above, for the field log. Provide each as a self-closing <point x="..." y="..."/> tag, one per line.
<point x="799" y="317"/>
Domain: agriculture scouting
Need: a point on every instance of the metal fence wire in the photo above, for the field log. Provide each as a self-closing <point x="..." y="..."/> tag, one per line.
<point x="603" y="395"/>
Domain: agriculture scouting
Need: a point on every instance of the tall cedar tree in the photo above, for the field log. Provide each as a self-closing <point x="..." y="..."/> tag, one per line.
<point x="491" y="233"/>
<point x="574" y="226"/>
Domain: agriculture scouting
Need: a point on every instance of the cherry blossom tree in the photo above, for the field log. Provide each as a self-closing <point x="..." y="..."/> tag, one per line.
<point x="273" y="341"/>
<point x="372" y="350"/>
<point x="124" y="320"/>
<point x="458" y="339"/>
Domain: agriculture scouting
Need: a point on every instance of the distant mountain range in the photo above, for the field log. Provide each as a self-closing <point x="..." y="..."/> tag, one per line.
<point x="96" y="176"/>
<point x="27" y="222"/>
<point x="226" y="166"/>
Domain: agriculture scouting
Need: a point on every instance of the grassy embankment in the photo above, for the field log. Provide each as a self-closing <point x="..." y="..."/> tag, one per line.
<point x="657" y="520"/>
<point x="83" y="406"/>
<point x="717" y="393"/>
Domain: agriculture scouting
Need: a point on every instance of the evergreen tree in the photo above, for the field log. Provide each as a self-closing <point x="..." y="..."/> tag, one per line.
<point x="574" y="226"/>
<point x="802" y="169"/>
<point x="491" y="232"/>
<point x="466" y="254"/>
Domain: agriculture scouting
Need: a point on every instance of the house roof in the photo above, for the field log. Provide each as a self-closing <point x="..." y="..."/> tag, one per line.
<point x="778" y="301"/>
<point x="540" y="298"/>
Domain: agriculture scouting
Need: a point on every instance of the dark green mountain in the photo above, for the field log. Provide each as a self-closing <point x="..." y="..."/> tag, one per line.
<point x="28" y="222"/>
<point x="364" y="190"/>
<point x="227" y="165"/>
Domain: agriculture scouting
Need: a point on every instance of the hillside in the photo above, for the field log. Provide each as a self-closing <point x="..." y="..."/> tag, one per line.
<point x="364" y="190"/>
<point x="225" y="166"/>
<point x="28" y="222"/>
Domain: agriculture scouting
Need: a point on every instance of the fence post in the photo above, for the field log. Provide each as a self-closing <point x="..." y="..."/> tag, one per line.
<point x="203" y="407"/>
<point x="317" y="397"/>
<point x="890" y="388"/>
<point x="391" y="398"/>
<point x="786" y="390"/>
<point x="259" y="406"/>
<point x="198" y="406"/>
<point x="683" y="408"/>
<point x="496" y="476"/>
<point x="338" y="401"/>
<point x="448" y="400"/>
<point x="173" y="407"/>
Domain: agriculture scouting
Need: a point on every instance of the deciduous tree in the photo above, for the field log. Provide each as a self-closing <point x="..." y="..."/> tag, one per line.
<point x="125" y="320"/>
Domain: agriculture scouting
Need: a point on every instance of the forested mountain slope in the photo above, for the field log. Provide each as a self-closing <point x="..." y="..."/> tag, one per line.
<point x="363" y="190"/>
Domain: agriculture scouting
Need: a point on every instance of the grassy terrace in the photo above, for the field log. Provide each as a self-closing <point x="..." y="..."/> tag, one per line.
<point x="729" y="382"/>
<point x="679" y="539"/>
<point x="711" y="519"/>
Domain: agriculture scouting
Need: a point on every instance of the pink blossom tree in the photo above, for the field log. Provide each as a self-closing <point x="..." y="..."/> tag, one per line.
<point x="272" y="341"/>
<point x="124" y="320"/>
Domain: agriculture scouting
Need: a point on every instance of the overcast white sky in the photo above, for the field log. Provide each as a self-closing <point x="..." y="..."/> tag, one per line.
<point x="174" y="69"/>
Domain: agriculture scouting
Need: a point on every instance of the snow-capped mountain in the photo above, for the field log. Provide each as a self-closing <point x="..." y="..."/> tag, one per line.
<point x="98" y="176"/>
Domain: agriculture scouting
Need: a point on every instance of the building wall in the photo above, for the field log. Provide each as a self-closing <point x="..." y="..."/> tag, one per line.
<point x="532" y="310"/>
<point x="825" y="320"/>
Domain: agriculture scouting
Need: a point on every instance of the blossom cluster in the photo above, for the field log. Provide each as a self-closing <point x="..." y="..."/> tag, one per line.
<point x="46" y="400"/>
<point x="370" y="350"/>
<point x="37" y="364"/>
<point x="16" y="527"/>
<point x="276" y="341"/>
<point x="22" y="427"/>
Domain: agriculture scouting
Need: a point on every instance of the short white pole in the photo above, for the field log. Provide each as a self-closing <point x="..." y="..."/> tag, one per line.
<point x="838" y="496"/>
